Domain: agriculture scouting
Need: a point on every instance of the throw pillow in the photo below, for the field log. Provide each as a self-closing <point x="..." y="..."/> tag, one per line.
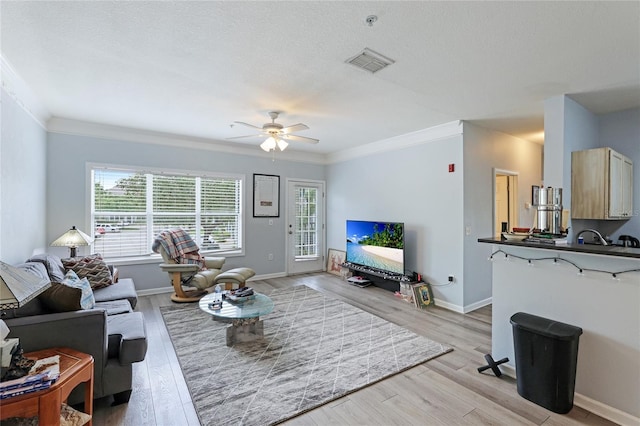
<point x="63" y="300"/>
<point x="91" y="267"/>
<point x="52" y="263"/>
<point x="69" y="416"/>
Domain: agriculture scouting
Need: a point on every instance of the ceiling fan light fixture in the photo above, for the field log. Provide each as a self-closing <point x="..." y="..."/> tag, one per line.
<point x="268" y="144"/>
<point x="282" y="144"/>
<point x="278" y="136"/>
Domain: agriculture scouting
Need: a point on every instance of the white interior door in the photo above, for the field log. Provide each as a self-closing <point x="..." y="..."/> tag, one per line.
<point x="305" y="226"/>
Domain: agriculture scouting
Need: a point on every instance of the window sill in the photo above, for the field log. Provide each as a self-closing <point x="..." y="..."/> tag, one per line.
<point x="156" y="258"/>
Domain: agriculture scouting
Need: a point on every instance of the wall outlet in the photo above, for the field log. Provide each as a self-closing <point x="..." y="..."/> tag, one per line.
<point x="450" y="279"/>
<point x="270" y="256"/>
<point x="270" y="222"/>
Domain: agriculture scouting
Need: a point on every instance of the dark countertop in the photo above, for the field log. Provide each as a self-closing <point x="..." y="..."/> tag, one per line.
<point x="577" y="248"/>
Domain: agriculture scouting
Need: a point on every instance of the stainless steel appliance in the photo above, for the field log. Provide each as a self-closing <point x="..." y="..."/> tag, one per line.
<point x="548" y="202"/>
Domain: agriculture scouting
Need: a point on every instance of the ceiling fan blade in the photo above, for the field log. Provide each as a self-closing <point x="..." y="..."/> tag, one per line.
<point x="294" y="128"/>
<point x="300" y="138"/>
<point x="246" y="136"/>
<point x="248" y="125"/>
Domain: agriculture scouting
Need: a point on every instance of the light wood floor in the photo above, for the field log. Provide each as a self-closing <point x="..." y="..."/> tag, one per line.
<point x="445" y="391"/>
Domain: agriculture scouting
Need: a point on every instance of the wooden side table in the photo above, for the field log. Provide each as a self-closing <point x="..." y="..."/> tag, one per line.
<point x="75" y="368"/>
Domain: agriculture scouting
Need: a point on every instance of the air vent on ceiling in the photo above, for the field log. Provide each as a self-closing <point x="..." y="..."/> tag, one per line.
<point x="370" y="61"/>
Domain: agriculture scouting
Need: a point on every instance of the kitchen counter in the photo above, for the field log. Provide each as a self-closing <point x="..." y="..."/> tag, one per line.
<point x="594" y="287"/>
<point x="576" y="248"/>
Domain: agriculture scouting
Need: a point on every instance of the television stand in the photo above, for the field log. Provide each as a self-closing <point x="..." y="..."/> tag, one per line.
<point x="383" y="279"/>
<point x="359" y="281"/>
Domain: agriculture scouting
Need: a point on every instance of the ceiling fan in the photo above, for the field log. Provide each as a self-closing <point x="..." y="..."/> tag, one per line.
<point x="277" y="134"/>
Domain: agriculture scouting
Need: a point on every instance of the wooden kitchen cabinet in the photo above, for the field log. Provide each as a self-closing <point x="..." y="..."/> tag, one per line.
<point x="601" y="185"/>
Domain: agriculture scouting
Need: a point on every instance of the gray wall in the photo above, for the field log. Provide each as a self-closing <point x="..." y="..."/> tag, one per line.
<point x="621" y="131"/>
<point x="580" y="129"/>
<point x="67" y="205"/>
<point x="410" y="185"/>
<point x="22" y="183"/>
<point x="580" y="132"/>
<point x="484" y="151"/>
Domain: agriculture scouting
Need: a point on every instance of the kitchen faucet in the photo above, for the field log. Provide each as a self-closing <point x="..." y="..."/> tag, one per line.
<point x="596" y="233"/>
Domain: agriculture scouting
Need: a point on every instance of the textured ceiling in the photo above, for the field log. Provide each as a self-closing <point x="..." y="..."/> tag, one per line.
<point x="192" y="68"/>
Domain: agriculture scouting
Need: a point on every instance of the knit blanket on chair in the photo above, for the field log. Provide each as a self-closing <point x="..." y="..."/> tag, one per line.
<point x="179" y="246"/>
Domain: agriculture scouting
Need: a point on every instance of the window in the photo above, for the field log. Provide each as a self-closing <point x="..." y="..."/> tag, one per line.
<point x="306" y="219"/>
<point x="130" y="207"/>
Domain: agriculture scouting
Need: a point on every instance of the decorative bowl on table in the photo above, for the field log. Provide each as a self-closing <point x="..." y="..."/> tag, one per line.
<point x="521" y="231"/>
<point x="515" y="236"/>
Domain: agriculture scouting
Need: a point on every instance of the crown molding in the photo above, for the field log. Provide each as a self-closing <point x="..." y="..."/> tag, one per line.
<point x="106" y="131"/>
<point x="14" y="86"/>
<point x="446" y="130"/>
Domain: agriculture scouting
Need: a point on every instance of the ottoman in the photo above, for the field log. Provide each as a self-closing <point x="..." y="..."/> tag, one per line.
<point x="234" y="277"/>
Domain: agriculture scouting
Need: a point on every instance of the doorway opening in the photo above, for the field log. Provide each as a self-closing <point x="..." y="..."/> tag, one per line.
<point x="505" y="201"/>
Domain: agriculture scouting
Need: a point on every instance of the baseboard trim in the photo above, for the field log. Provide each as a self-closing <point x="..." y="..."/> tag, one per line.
<point x="450" y="306"/>
<point x="169" y="289"/>
<point x="589" y="404"/>
<point x="605" y="411"/>
<point x="268" y="276"/>
<point x="462" y="309"/>
<point x="152" y="291"/>
<point x="477" y="305"/>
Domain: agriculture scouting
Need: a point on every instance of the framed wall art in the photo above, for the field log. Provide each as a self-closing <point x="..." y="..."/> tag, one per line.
<point x="266" y="195"/>
<point x="335" y="259"/>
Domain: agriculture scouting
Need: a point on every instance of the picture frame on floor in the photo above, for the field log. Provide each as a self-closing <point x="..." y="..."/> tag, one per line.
<point x="422" y="295"/>
<point x="335" y="259"/>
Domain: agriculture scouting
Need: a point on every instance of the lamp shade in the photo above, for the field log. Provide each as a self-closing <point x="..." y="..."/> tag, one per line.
<point x="268" y="144"/>
<point x="73" y="238"/>
<point x="17" y="287"/>
<point x="282" y="144"/>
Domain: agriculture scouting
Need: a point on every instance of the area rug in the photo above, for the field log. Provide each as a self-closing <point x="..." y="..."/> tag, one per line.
<point x="315" y="349"/>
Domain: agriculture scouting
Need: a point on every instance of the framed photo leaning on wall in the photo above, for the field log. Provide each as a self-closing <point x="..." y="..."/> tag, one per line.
<point x="422" y="295"/>
<point x="335" y="259"/>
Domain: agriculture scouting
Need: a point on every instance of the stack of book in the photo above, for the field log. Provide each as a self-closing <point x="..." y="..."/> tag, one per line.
<point x="42" y="375"/>
<point x="547" y="239"/>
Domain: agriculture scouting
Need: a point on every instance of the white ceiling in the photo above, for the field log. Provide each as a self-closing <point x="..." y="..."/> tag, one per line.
<point x="192" y="68"/>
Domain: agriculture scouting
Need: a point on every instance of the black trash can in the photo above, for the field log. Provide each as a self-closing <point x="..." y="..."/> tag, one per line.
<point x="546" y="353"/>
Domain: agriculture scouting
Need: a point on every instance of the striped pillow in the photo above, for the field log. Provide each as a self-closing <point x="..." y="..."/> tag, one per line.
<point x="91" y="267"/>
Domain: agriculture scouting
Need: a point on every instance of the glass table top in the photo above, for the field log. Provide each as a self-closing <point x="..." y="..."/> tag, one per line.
<point x="252" y="308"/>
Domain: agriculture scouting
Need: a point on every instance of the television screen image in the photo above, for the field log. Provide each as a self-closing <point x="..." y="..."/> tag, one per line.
<point x="378" y="245"/>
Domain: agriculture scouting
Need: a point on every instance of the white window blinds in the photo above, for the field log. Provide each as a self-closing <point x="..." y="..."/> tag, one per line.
<point x="129" y="208"/>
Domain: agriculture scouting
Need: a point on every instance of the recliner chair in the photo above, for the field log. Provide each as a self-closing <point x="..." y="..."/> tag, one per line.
<point x="185" y="265"/>
<point x="191" y="275"/>
<point x="186" y="274"/>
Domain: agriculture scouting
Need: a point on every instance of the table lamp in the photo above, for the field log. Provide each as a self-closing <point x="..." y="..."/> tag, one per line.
<point x="73" y="238"/>
<point x="17" y="287"/>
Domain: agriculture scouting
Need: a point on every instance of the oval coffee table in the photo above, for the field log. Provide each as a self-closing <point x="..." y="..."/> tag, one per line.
<point x="244" y="317"/>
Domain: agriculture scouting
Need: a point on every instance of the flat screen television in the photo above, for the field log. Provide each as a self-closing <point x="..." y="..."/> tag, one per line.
<point x="377" y="245"/>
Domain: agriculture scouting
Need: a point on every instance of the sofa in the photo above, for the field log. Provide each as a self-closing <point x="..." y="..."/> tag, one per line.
<point x="111" y="331"/>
